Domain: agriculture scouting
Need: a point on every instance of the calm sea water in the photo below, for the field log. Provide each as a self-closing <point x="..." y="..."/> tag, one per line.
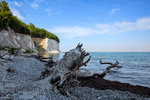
<point x="136" y="66"/>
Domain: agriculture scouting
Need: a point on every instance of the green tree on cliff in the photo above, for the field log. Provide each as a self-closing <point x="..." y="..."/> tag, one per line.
<point x="18" y="26"/>
<point x="5" y="14"/>
<point x="7" y="19"/>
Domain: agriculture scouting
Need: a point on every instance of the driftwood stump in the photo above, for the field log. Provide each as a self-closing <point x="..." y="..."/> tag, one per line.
<point x="62" y="75"/>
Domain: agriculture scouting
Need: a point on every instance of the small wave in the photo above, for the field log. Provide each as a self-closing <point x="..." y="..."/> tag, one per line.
<point x="146" y="66"/>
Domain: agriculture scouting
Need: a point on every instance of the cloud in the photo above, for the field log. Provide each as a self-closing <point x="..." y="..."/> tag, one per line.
<point x="73" y="31"/>
<point x="16" y="13"/>
<point x="48" y="11"/>
<point x="34" y="5"/>
<point x="108" y="28"/>
<point x="120" y="27"/>
<point x="18" y="4"/>
<point x="114" y="10"/>
<point x="58" y="13"/>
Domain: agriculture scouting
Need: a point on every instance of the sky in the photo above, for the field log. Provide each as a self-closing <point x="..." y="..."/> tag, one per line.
<point x="101" y="25"/>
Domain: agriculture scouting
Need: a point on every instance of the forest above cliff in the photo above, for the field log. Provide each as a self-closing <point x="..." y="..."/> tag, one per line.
<point x="7" y="19"/>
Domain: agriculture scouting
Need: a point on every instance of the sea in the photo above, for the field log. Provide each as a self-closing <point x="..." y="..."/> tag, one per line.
<point x="135" y="70"/>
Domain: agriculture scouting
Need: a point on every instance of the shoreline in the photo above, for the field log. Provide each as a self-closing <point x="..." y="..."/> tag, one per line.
<point x="22" y="84"/>
<point x="103" y="84"/>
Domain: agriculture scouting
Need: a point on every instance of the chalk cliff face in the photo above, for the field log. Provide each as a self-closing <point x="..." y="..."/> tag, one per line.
<point x="50" y="45"/>
<point x="12" y="39"/>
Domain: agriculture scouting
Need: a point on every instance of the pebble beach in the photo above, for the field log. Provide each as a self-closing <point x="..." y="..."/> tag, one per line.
<point x="22" y="84"/>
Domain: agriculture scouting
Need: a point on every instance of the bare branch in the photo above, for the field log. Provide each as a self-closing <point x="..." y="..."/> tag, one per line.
<point x="105" y="62"/>
<point x="108" y="68"/>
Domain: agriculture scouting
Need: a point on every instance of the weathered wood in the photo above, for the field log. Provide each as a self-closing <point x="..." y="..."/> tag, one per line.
<point x="51" y="62"/>
<point x="107" y="70"/>
<point x="10" y="52"/>
<point x="111" y="66"/>
<point x="61" y="75"/>
<point x="10" y="70"/>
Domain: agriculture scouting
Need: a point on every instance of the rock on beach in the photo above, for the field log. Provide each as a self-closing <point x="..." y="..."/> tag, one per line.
<point x="22" y="84"/>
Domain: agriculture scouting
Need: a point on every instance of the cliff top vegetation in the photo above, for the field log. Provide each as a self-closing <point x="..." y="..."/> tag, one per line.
<point x="7" y="19"/>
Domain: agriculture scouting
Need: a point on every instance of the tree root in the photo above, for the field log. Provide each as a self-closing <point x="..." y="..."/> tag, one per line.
<point x="62" y="74"/>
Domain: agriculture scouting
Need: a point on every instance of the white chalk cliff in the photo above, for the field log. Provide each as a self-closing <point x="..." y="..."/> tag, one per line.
<point x="16" y="40"/>
<point x="50" y="45"/>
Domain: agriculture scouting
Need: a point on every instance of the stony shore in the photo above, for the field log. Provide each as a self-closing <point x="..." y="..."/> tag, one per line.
<point x="21" y="84"/>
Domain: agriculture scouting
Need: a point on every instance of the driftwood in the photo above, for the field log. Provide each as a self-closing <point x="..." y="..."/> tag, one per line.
<point x="62" y="74"/>
<point x="10" y="52"/>
<point x="107" y="70"/>
<point x="10" y="70"/>
<point x="103" y="74"/>
<point x="51" y="62"/>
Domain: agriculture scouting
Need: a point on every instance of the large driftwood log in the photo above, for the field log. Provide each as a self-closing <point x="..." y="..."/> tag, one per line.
<point x="61" y="76"/>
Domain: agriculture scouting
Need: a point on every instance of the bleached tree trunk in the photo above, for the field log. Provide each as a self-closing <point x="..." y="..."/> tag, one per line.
<point x="63" y="76"/>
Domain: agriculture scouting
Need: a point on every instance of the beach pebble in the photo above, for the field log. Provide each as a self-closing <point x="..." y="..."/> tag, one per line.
<point x="21" y="85"/>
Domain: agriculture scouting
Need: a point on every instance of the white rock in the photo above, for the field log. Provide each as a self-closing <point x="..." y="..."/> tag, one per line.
<point x="50" y="45"/>
<point x="16" y="40"/>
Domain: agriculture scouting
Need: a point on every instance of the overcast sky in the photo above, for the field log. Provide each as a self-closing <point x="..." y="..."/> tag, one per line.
<point x="101" y="25"/>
